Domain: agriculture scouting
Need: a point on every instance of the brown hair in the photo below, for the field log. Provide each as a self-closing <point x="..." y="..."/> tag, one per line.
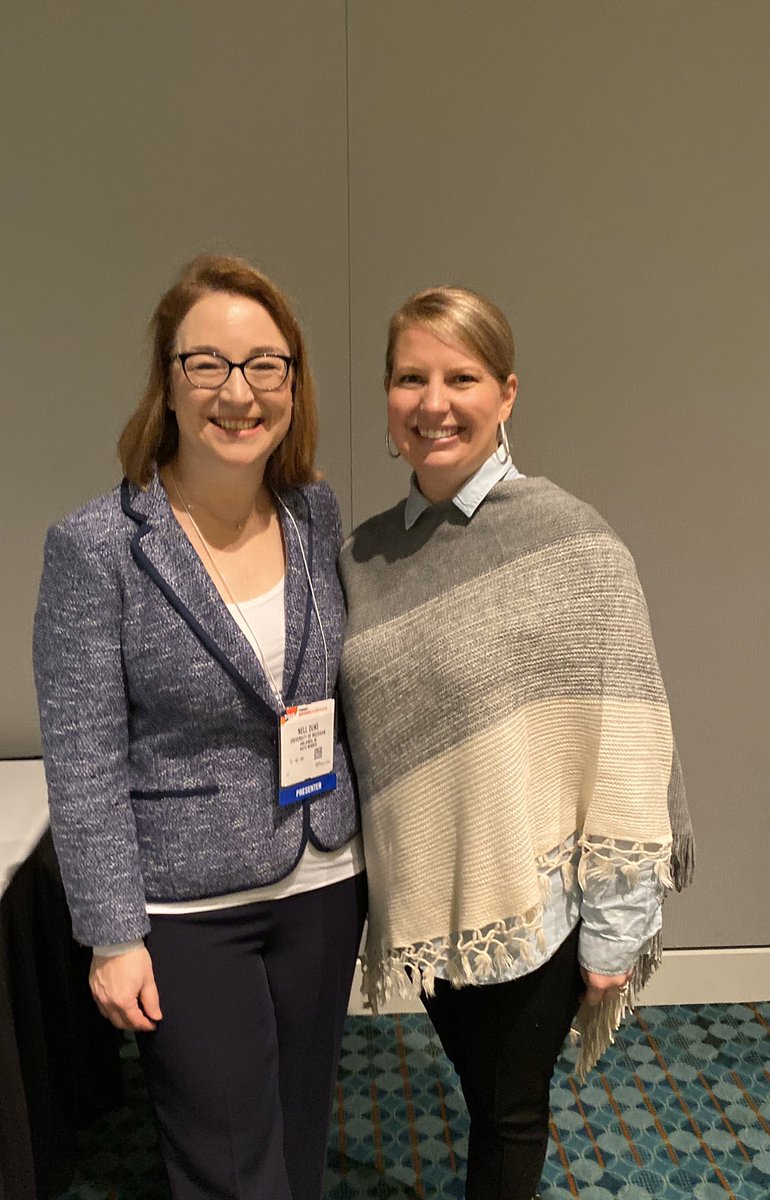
<point x="456" y="314"/>
<point x="151" y="434"/>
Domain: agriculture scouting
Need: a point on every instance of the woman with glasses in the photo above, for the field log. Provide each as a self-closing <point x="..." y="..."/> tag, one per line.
<point x="510" y="730"/>
<point x="187" y="640"/>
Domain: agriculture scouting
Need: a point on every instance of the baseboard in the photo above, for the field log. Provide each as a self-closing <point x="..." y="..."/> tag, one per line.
<point x="710" y="977"/>
<point x="685" y="977"/>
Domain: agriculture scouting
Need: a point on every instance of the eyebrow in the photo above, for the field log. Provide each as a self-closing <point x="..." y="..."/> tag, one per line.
<point x="255" y="350"/>
<point x="407" y="366"/>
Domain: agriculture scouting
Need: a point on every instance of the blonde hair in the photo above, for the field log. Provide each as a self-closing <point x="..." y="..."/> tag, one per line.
<point x="151" y="435"/>
<point x="456" y="314"/>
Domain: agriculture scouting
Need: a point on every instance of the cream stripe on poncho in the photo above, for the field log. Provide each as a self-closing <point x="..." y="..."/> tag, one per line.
<point x="502" y="695"/>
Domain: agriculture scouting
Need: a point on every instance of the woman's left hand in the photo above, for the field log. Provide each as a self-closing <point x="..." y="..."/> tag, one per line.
<point x="599" y="986"/>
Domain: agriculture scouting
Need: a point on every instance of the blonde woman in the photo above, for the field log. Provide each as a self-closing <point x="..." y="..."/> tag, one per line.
<point x="512" y="739"/>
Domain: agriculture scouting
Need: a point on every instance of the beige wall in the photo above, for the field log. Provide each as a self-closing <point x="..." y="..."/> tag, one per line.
<point x="600" y="169"/>
<point x="141" y="134"/>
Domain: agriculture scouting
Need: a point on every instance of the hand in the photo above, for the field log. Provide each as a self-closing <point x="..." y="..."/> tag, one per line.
<point x="599" y="986"/>
<point x="124" y="989"/>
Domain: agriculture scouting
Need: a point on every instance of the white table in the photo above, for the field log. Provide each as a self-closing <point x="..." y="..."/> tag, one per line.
<point x="23" y="813"/>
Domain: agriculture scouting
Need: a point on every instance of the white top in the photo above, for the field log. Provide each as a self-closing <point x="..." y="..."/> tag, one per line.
<point x="262" y="621"/>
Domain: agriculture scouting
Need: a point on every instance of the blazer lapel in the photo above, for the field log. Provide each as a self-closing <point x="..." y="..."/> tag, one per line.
<point x="161" y="548"/>
<point x="298" y="601"/>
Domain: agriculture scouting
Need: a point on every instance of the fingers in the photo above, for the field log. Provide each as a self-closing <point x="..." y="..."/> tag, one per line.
<point x="593" y="995"/>
<point x="126" y="1017"/>
<point x="598" y="987"/>
<point x="124" y="989"/>
<point x="150" y="1001"/>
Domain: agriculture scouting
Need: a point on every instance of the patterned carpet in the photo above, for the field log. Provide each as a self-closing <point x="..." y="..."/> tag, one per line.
<point x="680" y="1107"/>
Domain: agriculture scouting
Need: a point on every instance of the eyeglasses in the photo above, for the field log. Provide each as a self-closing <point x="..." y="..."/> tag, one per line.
<point x="263" y="372"/>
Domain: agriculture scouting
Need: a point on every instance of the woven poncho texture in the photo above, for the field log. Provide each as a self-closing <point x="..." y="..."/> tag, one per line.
<point x="507" y="718"/>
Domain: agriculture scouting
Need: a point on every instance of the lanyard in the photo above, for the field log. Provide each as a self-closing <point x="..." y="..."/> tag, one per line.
<point x="290" y="515"/>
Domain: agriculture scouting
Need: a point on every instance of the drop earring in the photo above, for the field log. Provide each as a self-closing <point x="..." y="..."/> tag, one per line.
<point x="504" y="443"/>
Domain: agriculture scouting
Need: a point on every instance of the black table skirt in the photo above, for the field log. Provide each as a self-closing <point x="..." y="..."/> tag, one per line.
<point x="59" y="1059"/>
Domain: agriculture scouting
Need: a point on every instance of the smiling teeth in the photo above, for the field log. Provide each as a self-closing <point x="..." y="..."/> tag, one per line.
<point x="234" y="425"/>
<point x="436" y="434"/>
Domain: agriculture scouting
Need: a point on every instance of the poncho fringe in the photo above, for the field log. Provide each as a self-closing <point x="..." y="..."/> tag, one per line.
<point x="476" y="956"/>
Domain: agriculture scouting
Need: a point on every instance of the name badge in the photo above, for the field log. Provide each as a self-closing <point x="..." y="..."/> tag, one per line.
<point x="306" y="752"/>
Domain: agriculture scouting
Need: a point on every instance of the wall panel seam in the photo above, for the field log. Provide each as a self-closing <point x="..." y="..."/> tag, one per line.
<point x="349" y="265"/>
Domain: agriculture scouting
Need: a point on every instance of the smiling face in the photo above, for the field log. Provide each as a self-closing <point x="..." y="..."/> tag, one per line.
<point x="233" y="424"/>
<point x="444" y="409"/>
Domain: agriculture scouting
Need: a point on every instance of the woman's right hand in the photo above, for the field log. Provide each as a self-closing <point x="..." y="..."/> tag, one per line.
<point x="124" y="989"/>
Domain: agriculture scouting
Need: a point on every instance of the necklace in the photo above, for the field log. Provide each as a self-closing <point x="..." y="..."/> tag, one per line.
<point x="238" y="526"/>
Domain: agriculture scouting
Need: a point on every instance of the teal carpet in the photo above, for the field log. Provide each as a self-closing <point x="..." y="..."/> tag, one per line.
<point x="679" y="1107"/>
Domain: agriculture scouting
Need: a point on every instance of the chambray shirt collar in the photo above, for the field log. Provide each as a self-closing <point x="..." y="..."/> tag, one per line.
<point x="470" y="495"/>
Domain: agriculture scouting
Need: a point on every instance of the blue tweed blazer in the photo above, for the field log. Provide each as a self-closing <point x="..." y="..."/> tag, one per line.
<point x="160" y="731"/>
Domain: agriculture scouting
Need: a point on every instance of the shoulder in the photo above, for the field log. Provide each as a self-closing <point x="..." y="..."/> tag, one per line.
<point x="570" y="534"/>
<point x="315" y="503"/>
<point x="314" y="507"/>
<point x="85" y="553"/>
<point x="310" y="499"/>
<point x="546" y="513"/>
<point x="319" y="498"/>
<point x="537" y="498"/>
<point x="372" y="537"/>
<point x="95" y="525"/>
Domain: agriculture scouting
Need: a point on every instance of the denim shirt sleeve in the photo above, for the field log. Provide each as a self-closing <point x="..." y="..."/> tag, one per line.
<point x="618" y="920"/>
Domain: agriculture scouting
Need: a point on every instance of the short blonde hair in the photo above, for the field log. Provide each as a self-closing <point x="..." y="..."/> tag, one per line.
<point x="456" y="314"/>
<point x="151" y="435"/>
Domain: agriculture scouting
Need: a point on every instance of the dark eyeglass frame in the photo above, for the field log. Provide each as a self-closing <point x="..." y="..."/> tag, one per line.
<point x="287" y="359"/>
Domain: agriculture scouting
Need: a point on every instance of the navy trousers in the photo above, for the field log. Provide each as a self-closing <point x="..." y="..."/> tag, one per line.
<point x="242" y="1067"/>
<point x="503" y="1040"/>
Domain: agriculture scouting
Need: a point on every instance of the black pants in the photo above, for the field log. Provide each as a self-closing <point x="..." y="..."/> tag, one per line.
<point x="503" y="1040"/>
<point x="242" y="1066"/>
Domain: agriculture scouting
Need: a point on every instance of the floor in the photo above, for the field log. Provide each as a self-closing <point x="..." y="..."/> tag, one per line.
<point x="679" y="1107"/>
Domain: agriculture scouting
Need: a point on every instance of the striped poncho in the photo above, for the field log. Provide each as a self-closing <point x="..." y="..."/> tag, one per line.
<point x="504" y="705"/>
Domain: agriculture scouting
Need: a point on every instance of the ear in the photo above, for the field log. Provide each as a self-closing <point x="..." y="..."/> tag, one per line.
<point x="508" y="396"/>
